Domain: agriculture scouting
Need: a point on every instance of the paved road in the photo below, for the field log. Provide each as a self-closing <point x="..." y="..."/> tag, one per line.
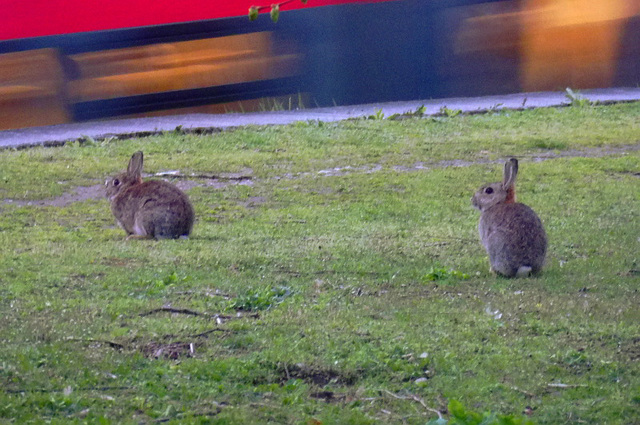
<point x="58" y="134"/>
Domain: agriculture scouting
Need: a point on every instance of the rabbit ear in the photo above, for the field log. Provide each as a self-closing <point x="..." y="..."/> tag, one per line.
<point x="510" y="173"/>
<point x="135" y="166"/>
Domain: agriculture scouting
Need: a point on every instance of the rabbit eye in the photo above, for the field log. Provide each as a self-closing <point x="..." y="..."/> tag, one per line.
<point x="116" y="182"/>
<point x="488" y="191"/>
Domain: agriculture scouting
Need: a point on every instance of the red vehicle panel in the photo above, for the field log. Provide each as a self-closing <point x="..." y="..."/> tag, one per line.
<point x="36" y="18"/>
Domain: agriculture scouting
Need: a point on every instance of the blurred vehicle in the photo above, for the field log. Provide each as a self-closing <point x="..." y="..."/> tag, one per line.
<point x="76" y="60"/>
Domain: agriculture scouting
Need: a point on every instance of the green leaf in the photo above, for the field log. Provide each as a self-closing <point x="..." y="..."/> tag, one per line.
<point x="253" y="13"/>
<point x="436" y="274"/>
<point x="275" y="12"/>
<point x="457" y="410"/>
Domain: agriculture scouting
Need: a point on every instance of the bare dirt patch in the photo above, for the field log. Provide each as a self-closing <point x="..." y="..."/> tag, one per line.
<point x="598" y="152"/>
<point x="187" y="182"/>
<point x="253" y="202"/>
<point x="79" y="194"/>
<point x="96" y="192"/>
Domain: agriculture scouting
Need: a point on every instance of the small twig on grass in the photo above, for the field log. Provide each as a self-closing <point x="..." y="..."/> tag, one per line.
<point x="414" y="397"/>
<point x="98" y="341"/>
<point x="173" y="310"/>
<point x="559" y="385"/>
<point x="209" y="332"/>
<point x="201" y="176"/>
<point x="286" y="369"/>
<point x="438" y="244"/>
<point x="219" y="318"/>
<point x="527" y="393"/>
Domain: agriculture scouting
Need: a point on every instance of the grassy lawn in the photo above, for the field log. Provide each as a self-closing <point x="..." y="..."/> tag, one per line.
<point x="334" y="276"/>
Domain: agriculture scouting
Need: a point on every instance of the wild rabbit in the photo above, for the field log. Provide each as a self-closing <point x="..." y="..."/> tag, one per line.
<point x="150" y="209"/>
<point x="511" y="232"/>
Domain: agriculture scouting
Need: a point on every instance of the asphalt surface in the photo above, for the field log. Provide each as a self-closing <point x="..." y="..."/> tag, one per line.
<point x="59" y="134"/>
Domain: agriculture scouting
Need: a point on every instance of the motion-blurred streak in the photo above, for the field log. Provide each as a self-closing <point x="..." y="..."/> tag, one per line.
<point x="559" y="43"/>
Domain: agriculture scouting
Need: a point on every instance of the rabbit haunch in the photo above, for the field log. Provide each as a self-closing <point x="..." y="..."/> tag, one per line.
<point x="150" y="209"/>
<point x="511" y="232"/>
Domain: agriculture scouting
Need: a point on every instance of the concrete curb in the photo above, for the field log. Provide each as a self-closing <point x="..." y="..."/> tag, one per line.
<point x="123" y="128"/>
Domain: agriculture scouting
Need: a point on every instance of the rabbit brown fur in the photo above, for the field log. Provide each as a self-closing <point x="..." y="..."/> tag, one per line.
<point x="511" y="232"/>
<point x="150" y="209"/>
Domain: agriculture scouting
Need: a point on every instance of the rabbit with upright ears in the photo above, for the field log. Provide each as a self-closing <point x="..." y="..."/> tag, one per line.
<point x="511" y="232"/>
<point x="150" y="209"/>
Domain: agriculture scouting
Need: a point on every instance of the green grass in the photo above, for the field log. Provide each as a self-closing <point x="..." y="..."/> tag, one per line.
<point x="343" y="283"/>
